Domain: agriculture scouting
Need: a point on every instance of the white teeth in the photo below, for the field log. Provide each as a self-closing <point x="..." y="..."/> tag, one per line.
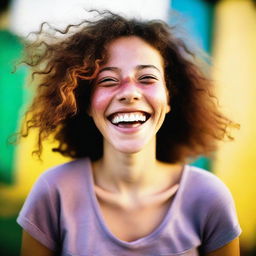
<point x="128" y="117"/>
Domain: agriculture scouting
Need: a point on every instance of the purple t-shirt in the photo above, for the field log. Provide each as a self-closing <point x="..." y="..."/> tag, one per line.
<point x="62" y="212"/>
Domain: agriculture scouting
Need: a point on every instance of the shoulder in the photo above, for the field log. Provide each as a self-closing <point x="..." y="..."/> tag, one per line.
<point x="70" y="171"/>
<point x="55" y="195"/>
<point x="206" y="184"/>
<point x="209" y="203"/>
<point x="204" y="195"/>
<point x="57" y="180"/>
<point x="62" y="179"/>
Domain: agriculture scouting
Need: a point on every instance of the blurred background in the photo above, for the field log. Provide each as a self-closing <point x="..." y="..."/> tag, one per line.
<point x="225" y="29"/>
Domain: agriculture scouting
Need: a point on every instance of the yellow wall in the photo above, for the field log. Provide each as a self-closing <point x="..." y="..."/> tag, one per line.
<point x="235" y="73"/>
<point x="28" y="168"/>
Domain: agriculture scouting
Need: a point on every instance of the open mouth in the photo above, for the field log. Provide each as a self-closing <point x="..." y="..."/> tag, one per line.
<point x="129" y="120"/>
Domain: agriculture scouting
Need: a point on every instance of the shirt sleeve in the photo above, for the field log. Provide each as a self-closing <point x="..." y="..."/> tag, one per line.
<point x="38" y="215"/>
<point x="221" y="225"/>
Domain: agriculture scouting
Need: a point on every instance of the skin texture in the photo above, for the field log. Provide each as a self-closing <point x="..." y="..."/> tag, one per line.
<point x="30" y="246"/>
<point x="134" y="85"/>
<point x="231" y="249"/>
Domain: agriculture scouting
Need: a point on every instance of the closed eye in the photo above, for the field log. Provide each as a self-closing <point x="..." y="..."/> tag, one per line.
<point x="107" y="81"/>
<point x="148" y="79"/>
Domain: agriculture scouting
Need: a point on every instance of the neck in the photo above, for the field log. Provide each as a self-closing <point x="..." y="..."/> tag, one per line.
<point x="130" y="173"/>
<point x="126" y="170"/>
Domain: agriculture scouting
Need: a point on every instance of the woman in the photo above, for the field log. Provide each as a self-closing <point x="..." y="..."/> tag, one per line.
<point x="127" y="101"/>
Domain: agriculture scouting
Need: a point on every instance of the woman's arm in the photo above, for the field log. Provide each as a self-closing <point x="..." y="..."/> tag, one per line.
<point x="231" y="249"/>
<point x="31" y="247"/>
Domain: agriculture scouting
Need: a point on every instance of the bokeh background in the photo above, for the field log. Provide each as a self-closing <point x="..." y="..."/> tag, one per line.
<point x="225" y="29"/>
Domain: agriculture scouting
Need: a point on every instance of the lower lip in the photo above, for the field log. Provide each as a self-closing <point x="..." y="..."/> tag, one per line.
<point x="128" y="130"/>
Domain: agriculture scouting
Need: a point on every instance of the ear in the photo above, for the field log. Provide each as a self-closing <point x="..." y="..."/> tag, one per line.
<point x="168" y="108"/>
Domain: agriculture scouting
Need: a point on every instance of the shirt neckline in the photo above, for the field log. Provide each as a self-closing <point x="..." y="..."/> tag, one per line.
<point x="143" y="240"/>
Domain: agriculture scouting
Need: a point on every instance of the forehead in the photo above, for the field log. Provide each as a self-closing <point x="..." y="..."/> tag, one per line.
<point x="132" y="49"/>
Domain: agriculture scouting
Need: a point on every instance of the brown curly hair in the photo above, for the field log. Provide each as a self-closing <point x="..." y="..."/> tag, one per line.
<point x="67" y="66"/>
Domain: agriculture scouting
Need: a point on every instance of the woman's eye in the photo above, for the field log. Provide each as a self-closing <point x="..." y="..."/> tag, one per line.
<point x="148" y="79"/>
<point x="107" y="81"/>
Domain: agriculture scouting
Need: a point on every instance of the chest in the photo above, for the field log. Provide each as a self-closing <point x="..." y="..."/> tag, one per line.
<point x="132" y="224"/>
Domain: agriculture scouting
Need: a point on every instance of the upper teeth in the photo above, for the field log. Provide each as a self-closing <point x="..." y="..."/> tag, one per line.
<point x="128" y="117"/>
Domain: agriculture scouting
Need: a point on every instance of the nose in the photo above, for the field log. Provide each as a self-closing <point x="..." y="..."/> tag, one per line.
<point x="129" y="93"/>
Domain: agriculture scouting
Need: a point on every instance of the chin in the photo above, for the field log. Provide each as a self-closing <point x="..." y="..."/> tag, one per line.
<point x="129" y="151"/>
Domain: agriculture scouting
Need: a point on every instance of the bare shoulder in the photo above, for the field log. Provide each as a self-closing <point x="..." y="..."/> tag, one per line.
<point x="30" y="246"/>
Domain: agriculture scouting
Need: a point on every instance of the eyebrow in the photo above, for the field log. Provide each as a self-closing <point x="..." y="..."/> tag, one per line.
<point x="138" y="67"/>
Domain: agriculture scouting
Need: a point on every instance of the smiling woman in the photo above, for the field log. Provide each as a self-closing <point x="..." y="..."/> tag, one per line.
<point x="127" y="100"/>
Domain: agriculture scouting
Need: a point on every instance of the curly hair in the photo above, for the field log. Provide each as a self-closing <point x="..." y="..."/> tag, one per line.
<point x="68" y="65"/>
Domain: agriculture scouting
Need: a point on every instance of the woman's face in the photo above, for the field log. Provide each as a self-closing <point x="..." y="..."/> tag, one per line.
<point x="130" y="100"/>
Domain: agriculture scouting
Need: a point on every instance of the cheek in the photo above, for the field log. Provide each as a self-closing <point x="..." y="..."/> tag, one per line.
<point x="100" y="100"/>
<point x="158" y="95"/>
